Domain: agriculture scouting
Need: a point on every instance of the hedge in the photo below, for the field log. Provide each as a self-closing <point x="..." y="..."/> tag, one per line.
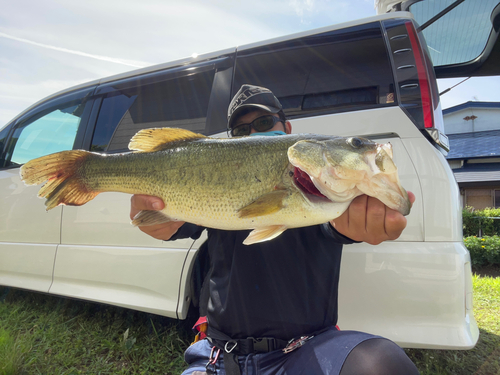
<point x="473" y="220"/>
<point x="483" y="250"/>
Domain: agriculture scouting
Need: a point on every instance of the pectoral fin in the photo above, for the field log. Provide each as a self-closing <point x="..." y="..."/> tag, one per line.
<point x="145" y="217"/>
<point x="264" y="234"/>
<point x="264" y="205"/>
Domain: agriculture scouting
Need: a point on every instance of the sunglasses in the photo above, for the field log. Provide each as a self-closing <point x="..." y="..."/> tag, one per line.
<point x="260" y="124"/>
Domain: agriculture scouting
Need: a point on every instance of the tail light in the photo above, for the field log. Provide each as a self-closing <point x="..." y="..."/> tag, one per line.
<point x="423" y="79"/>
<point x="415" y="80"/>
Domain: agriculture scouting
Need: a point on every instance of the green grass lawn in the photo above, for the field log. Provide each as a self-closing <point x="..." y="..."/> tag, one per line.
<point x="41" y="334"/>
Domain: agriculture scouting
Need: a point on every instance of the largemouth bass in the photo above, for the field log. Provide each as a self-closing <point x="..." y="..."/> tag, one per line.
<point x="267" y="184"/>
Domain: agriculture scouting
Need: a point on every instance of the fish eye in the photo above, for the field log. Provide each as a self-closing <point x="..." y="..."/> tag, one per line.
<point x="355" y="142"/>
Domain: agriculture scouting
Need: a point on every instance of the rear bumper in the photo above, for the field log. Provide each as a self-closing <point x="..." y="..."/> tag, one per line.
<point x="418" y="294"/>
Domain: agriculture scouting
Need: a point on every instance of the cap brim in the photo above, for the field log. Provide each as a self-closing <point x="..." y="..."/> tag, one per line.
<point x="261" y="106"/>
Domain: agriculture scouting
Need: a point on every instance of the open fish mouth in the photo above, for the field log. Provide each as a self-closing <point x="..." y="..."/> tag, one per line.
<point x="339" y="170"/>
<point x="303" y="181"/>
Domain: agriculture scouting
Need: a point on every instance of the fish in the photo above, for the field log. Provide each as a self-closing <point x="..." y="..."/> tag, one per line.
<point x="264" y="184"/>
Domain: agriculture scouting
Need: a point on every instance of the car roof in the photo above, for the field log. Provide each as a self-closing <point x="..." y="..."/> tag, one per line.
<point x="215" y="55"/>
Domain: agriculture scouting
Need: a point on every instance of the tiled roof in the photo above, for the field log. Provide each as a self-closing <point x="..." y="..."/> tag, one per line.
<point x="474" y="145"/>
<point x="487" y="172"/>
<point x="471" y="104"/>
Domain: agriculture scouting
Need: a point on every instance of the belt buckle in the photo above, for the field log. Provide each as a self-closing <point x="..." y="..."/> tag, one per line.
<point x="296" y="343"/>
<point x="234" y="345"/>
<point x="263" y="345"/>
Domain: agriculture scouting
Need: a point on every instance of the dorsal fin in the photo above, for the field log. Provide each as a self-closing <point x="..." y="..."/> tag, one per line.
<point x="156" y="139"/>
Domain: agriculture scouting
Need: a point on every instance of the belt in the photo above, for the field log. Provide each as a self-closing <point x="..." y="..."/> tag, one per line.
<point x="250" y="345"/>
<point x="234" y="348"/>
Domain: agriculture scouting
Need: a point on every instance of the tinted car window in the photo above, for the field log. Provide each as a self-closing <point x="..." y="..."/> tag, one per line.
<point x="335" y="71"/>
<point x="51" y="129"/>
<point x="181" y="102"/>
<point x="460" y="35"/>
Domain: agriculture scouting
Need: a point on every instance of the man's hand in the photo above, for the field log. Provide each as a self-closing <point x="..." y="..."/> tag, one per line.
<point x="146" y="202"/>
<point x="369" y="220"/>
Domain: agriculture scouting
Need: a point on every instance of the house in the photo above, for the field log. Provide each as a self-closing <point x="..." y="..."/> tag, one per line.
<point x="473" y="129"/>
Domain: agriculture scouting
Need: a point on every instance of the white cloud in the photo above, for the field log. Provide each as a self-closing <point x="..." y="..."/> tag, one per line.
<point x="302" y="6"/>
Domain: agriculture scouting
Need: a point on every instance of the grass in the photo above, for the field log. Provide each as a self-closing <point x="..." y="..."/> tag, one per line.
<point x="42" y="334"/>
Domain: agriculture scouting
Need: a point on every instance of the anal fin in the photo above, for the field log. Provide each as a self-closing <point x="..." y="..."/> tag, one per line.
<point x="148" y="217"/>
<point x="264" y="234"/>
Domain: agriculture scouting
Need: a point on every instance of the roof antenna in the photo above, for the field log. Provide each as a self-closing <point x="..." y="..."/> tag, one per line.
<point x="448" y="89"/>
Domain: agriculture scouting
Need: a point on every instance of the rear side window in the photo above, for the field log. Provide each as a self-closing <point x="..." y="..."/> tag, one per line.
<point x="52" y="127"/>
<point x="51" y="133"/>
<point x="152" y="102"/>
<point x="341" y="70"/>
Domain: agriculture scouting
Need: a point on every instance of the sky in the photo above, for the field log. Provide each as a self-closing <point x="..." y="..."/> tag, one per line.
<point x="50" y="45"/>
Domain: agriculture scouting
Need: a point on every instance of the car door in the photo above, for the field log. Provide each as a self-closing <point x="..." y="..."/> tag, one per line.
<point x="29" y="235"/>
<point x="101" y="256"/>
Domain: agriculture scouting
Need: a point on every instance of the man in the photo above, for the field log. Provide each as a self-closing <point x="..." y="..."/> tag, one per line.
<point x="272" y="306"/>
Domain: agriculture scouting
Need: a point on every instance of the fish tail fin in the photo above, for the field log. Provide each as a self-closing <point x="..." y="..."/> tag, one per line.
<point x="64" y="183"/>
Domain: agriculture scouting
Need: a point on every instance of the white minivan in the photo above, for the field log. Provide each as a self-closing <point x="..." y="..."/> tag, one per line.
<point x="372" y="78"/>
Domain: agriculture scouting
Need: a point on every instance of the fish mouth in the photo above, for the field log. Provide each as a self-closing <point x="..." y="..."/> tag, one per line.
<point x="389" y="191"/>
<point x="303" y="181"/>
<point x="323" y="174"/>
<point x="385" y="187"/>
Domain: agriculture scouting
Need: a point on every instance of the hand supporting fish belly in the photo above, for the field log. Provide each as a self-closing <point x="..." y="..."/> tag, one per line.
<point x="267" y="184"/>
